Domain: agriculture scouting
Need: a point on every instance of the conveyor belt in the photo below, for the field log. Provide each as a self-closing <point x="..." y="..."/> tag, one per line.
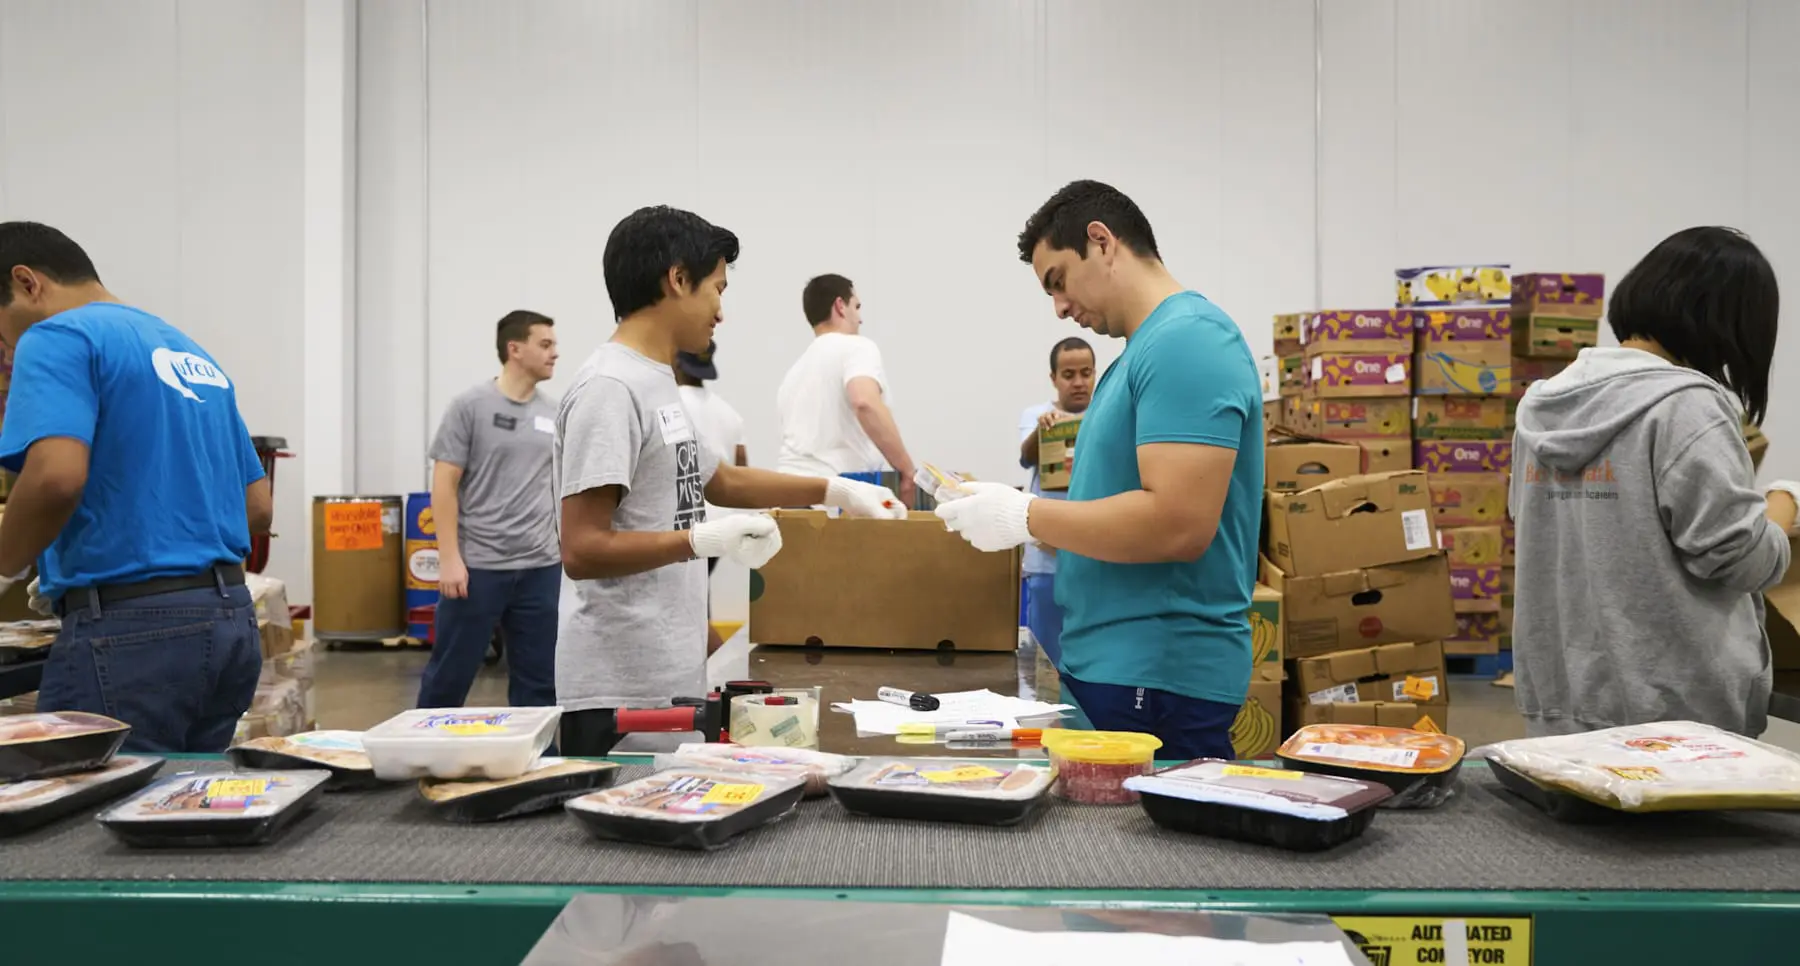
<point x="1483" y="839"/>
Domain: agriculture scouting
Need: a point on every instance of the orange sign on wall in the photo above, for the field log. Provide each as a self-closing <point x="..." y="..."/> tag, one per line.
<point x="353" y="526"/>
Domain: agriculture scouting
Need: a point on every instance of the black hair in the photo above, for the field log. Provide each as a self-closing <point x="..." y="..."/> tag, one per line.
<point x="1063" y="221"/>
<point x="1709" y="298"/>
<point x="650" y="241"/>
<point x="44" y="250"/>
<point x="515" y="326"/>
<point x="821" y="293"/>
<point x="1070" y="344"/>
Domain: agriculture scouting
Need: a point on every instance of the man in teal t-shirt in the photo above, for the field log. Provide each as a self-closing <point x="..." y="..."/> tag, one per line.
<point x="1158" y="536"/>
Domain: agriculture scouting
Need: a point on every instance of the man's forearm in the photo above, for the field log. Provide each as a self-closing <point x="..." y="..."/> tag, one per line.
<point x="877" y="420"/>
<point x="603" y="554"/>
<point x="743" y="487"/>
<point x="445" y="514"/>
<point x="1124" y="529"/>
<point x="34" y="516"/>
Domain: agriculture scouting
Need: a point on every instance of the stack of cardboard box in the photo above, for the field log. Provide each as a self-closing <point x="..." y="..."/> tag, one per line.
<point x="284" y="703"/>
<point x="1357" y="368"/>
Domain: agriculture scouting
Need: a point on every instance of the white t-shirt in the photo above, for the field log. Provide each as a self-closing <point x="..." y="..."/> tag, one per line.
<point x="820" y="435"/>
<point x="720" y="427"/>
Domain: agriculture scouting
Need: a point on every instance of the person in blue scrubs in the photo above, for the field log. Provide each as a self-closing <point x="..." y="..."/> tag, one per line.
<point x="1157" y="540"/>
<point x="1072" y="375"/>
<point x="137" y="491"/>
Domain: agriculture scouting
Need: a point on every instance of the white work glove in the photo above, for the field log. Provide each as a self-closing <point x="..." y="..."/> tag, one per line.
<point x="991" y="516"/>
<point x="861" y="499"/>
<point x="1789" y="487"/>
<point x="748" y="539"/>
<point x="38" y="602"/>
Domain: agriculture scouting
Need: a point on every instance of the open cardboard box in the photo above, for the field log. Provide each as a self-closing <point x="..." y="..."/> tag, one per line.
<point x="1361" y="521"/>
<point x="1362" y="607"/>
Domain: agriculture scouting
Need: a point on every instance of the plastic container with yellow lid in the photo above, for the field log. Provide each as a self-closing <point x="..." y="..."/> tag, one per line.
<point x="1091" y="766"/>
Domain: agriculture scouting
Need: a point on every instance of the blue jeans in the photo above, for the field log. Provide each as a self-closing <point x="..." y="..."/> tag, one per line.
<point x="180" y="668"/>
<point x="523" y="604"/>
<point x="1189" y="727"/>
<point x="1043" y="616"/>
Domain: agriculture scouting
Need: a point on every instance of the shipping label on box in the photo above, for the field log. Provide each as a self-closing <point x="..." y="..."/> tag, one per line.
<point x="1366" y="330"/>
<point x="1256" y="731"/>
<point x="1287" y="332"/>
<point x="1460" y="417"/>
<point x="1472" y="546"/>
<point x="1432" y="716"/>
<point x="1364" y="521"/>
<point x="1468" y="499"/>
<point x="1340" y="374"/>
<point x="1438" y="326"/>
<point x="1463" y="455"/>
<point x="1266" y="632"/>
<point x="1545" y="336"/>
<point x="1056" y="454"/>
<point x="1526" y="371"/>
<point x="1476" y="633"/>
<point x="1291" y="465"/>
<point x="1293" y="374"/>
<point x="1443" y="286"/>
<point x="1463" y="369"/>
<point x="1359" y="608"/>
<point x="1390" y="672"/>
<point x="1385" y="454"/>
<point x="1389" y="416"/>
<point x="1475" y="589"/>
<point x="1579" y="295"/>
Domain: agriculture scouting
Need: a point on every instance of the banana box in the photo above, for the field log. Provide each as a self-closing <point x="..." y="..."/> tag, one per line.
<point x="1345" y="375"/>
<point x="1506" y="608"/>
<point x="1575" y="295"/>
<point x="1266" y="632"/>
<point x="1257" y="729"/>
<point x="1526" y="371"/>
<point x="1363" y="607"/>
<point x="1460" y="417"/>
<point x="1293" y="374"/>
<point x="1544" y="336"/>
<point x="1463" y="455"/>
<point x="1385" y="454"/>
<point x="1473" y="546"/>
<point x="1287" y="335"/>
<point x="1467" y="499"/>
<point x="1440" y="326"/>
<point x="1476" y="634"/>
<point x="1274" y="414"/>
<point x="1475" y="590"/>
<point x="1428" y="716"/>
<point x="1380" y="416"/>
<point x="1444" y="286"/>
<point x="1508" y="544"/>
<point x="1406" y="671"/>
<point x="1362" y="521"/>
<point x="1056" y="453"/>
<point x="1292" y="464"/>
<point x="1463" y="369"/>
<point x="1358" y="330"/>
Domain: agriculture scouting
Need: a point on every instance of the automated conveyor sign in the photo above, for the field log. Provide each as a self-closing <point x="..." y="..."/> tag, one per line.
<point x="1404" y="940"/>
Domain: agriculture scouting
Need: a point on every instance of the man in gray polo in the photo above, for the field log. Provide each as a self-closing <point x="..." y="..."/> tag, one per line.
<point x="492" y="500"/>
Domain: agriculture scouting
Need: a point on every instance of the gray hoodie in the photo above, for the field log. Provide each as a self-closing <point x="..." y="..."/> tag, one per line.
<point x="1643" y="551"/>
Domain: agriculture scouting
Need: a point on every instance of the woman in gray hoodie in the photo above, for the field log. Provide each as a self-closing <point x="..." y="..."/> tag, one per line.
<point x="1644" y="544"/>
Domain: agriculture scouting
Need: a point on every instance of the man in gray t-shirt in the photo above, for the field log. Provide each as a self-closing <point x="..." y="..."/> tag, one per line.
<point x="633" y="481"/>
<point x="491" y="499"/>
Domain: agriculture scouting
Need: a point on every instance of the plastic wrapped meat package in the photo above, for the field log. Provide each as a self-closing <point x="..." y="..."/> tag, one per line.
<point x="1420" y="767"/>
<point x="1662" y="767"/>
<point x="30" y="804"/>
<point x="943" y="790"/>
<point x="1296" y="810"/>
<point x="54" y="743"/>
<point x="816" y="767"/>
<point x="491" y="743"/>
<point x="20" y="640"/>
<point x="209" y="809"/>
<point x="692" y="808"/>
<point x="551" y="782"/>
<point x="339" y="752"/>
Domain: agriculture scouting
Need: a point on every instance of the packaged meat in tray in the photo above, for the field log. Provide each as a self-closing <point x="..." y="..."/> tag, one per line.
<point x="817" y="767"/>
<point x="552" y="782"/>
<point x="25" y="640"/>
<point x="1661" y="767"/>
<point x="941" y="790"/>
<point x="57" y="743"/>
<point x="30" y="804"/>
<point x="1301" y="811"/>
<point x="690" y="808"/>
<point x="460" y="742"/>
<point x="1421" y="767"/>
<point x="338" y="752"/>
<point x="208" y="809"/>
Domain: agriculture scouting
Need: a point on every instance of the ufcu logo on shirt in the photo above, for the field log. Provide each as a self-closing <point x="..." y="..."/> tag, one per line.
<point x="178" y="370"/>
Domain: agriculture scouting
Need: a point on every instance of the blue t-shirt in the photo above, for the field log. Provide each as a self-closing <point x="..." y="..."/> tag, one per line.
<point x="1186" y="376"/>
<point x="168" y="454"/>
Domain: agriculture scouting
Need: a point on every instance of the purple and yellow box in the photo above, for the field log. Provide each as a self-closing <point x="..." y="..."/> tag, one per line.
<point x="1472" y="546"/>
<point x="1361" y="330"/>
<point x="1467" y="499"/>
<point x="1450" y="286"/>
<point x="1463" y="325"/>
<point x="1576" y="295"/>
<point x="1477" y="632"/>
<point x="1382" y="416"/>
<point x="1347" y="375"/>
<point x="1463" y="455"/>
<point x="1475" y="590"/>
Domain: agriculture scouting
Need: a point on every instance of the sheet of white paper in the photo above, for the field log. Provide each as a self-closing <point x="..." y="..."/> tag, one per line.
<point x="882" y="718"/>
<point x="976" y="942"/>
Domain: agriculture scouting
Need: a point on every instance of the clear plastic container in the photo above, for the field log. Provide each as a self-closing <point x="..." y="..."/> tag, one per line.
<point x="214" y="809"/>
<point x="488" y="743"/>
<point x="1092" y="766"/>
<point x="989" y="792"/>
<point x="816" y="767"/>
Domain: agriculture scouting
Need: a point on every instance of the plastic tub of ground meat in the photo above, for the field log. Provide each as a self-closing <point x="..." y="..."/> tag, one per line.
<point x="1296" y="810"/>
<point x="57" y="743"/>
<point x="1091" y="766"/>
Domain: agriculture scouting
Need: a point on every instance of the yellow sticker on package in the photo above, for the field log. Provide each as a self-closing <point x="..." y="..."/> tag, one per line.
<point x="1394" y="940"/>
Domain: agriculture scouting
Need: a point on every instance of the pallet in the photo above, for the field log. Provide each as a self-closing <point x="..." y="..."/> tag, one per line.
<point x="1479" y="665"/>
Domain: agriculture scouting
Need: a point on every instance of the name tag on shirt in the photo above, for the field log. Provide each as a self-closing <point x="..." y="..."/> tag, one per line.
<point x="673" y="422"/>
<point x="545" y="424"/>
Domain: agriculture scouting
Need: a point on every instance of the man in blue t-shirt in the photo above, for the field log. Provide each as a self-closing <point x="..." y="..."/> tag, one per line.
<point x="1158" y="536"/>
<point x="1072" y="375"/>
<point x="138" y="488"/>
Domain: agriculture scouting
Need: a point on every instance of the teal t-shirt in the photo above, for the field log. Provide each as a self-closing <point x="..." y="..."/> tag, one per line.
<point x="1186" y="376"/>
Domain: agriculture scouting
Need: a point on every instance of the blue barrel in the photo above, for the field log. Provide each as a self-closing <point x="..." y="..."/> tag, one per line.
<point x="421" y="563"/>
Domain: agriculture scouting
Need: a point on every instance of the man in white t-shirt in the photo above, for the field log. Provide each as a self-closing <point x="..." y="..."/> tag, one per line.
<point x="719" y="425"/>
<point x="1072" y="373"/>
<point x="833" y="406"/>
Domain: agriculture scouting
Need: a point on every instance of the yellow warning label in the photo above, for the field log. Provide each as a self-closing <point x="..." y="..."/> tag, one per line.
<point x="1398" y="940"/>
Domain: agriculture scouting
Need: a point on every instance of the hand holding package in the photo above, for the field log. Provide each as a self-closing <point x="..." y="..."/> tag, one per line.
<point x="861" y="499"/>
<point x="748" y="539"/>
<point x="991" y="516"/>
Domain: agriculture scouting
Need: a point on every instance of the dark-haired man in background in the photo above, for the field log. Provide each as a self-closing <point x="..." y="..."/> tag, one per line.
<point x="633" y="481"/>
<point x="1072" y="375"/>
<point x="1158" y="534"/>
<point x="833" y="401"/>
<point x="139" y="487"/>
<point x="498" y="563"/>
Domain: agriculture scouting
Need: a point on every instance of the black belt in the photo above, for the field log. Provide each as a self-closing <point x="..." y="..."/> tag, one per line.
<point x="231" y="575"/>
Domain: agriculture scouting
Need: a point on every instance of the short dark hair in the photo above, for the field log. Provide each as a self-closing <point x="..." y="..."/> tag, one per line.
<point x="821" y="293"/>
<point x="44" y="250"/>
<point x="1063" y="221"/>
<point x="645" y="244"/>
<point x="1070" y="344"/>
<point x="1708" y="296"/>
<point x="515" y="326"/>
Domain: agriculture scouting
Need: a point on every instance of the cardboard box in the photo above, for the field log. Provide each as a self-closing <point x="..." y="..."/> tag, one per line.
<point x="1506" y="607"/>
<point x="1472" y="546"/>
<point x="1475" y="634"/>
<point x="1437" y="327"/>
<point x="1463" y="455"/>
<point x="1292" y="464"/>
<point x="1444" y="286"/>
<point x="1286" y="332"/>
<point x="1359" y="330"/>
<point x="295" y="664"/>
<point x="1274" y="414"/>
<point x="917" y="586"/>
<point x="1382" y="416"/>
<point x="1576" y="295"/>
<point x="1056" y="453"/>
<point x="1463" y="369"/>
<point x="1782" y="605"/>
<point x="1266" y="633"/>
<point x="1256" y="732"/>
<point x="1388" y="714"/>
<point x="1293" y="374"/>
<point x="1467" y="499"/>
<point x="1363" y="521"/>
<point x="1756" y="443"/>
<point x="1508" y="543"/>
<point x="1385" y="454"/>
<point x="1461" y="417"/>
<point x="1345" y="375"/>
<point x="1526" y="371"/>
<point x="1293" y="413"/>
<point x="1363" y="607"/>
<point x="1475" y="590"/>
<point x="1405" y="672"/>
<point x="1543" y="336"/>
